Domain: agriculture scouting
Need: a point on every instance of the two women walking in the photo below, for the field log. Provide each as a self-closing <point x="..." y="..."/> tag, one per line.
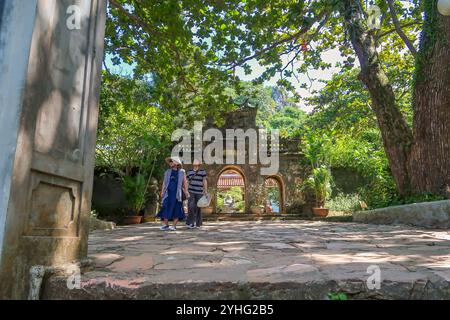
<point x="178" y="186"/>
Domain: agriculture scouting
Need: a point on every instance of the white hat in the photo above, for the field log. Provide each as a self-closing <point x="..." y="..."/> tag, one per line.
<point x="177" y="160"/>
<point x="204" y="201"/>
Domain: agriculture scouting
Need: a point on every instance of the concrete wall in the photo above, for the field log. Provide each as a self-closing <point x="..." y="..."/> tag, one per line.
<point x="427" y="215"/>
<point x="15" y="41"/>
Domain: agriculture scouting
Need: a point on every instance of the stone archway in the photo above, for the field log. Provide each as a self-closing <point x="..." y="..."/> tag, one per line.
<point x="275" y="182"/>
<point x="230" y="177"/>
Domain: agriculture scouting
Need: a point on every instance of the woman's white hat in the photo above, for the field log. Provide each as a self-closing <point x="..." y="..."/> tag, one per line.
<point x="175" y="159"/>
<point x="204" y="201"/>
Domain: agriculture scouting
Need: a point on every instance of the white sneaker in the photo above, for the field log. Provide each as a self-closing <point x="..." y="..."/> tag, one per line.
<point x="164" y="228"/>
<point x="190" y="226"/>
<point x="171" y="228"/>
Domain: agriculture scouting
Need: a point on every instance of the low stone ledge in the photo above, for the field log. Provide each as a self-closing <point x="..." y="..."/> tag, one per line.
<point x="96" y="224"/>
<point x="433" y="215"/>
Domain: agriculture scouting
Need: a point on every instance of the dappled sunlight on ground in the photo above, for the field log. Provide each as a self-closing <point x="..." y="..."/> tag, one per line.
<point x="306" y="253"/>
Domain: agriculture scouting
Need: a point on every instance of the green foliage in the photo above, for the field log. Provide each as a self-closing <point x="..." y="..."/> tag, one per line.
<point x="236" y="193"/>
<point x="337" y="296"/>
<point x="344" y="202"/>
<point x="315" y="145"/>
<point x="132" y="133"/>
<point x="159" y="41"/>
<point x="289" y="120"/>
<point x="219" y="201"/>
<point x="255" y="95"/>
<point x="135" y="189"/>
<point x="343" y="112"/>
<point x="427" y="197"/>
<point x="133" y="136"/>
<point x="191" y="49"/>
<point x="320" y="182"/>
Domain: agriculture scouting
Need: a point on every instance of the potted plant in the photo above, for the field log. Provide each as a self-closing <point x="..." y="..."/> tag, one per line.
<point x="315" y="148"/>
<point x="320" y="183"/>
<point x="135" y="193"/>
<point x="136" y="190"/>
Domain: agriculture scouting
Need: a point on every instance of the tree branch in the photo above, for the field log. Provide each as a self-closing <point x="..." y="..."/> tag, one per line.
<point x="106" y="67"/>
<point x="290" y="38"/>
<point x="291" y="62"/>
<point x="402" y="27"/>
<point x="137" y="20"/>
<point x="399" y="30"/>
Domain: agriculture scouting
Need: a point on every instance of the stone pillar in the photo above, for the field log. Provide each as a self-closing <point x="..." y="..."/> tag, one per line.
<point x="50" y="66"/>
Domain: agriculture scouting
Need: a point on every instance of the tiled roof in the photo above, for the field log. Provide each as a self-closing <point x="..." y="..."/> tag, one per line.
<point x="230" y="180"/>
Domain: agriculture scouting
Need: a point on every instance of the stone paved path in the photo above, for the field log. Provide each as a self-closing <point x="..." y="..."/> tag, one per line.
<point x="263" y="260"/>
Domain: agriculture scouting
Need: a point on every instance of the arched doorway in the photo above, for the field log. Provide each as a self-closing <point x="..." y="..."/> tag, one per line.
<point x="274" y="202"/>
<point x="230" y="194"/>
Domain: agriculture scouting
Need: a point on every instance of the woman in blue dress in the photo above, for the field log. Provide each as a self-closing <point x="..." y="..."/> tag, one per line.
<point x="174" y="185"/>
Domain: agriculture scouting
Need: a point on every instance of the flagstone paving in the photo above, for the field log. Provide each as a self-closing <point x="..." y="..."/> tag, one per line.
<point x="263" y="260"/>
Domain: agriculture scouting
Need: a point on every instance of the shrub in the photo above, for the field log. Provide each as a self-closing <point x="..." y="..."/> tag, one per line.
<point x="345" y="202"/>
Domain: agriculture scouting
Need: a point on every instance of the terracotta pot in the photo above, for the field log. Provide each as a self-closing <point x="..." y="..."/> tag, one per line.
<point x="320" y="212"/>
<point x="132" y="220"/>
<point x="207" y="210"/>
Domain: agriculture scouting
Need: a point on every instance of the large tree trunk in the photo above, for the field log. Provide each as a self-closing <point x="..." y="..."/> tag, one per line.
<point x="430" y="152"/>
<point x="394" y="129"/>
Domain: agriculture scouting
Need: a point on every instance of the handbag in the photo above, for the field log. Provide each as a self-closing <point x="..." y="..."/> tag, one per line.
<point x="204" y="201"/>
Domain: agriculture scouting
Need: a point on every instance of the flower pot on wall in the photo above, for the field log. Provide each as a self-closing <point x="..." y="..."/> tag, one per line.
<point x="132" y="219"/>
<point x="320" y="212"/>
<point x="257" y="210"/>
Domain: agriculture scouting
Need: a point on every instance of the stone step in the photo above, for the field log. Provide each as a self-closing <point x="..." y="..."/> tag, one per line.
<point x="264" y="260"/>
<point x="56" y="288"/>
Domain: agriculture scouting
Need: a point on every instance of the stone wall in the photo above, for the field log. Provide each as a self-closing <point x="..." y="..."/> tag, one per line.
<point x="109" y="200"/>
<point x="108" y="197"/>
